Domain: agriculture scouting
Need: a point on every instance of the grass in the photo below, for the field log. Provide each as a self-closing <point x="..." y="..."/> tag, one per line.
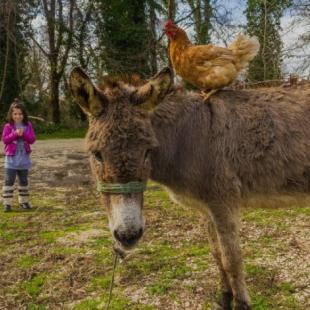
<point x="26" y="261"/>
<point x="35" y="307"/>
<point x="159" y="287"/>
<point x="46" y="262"/>
<point x="51" y="236"/>
<point x="34" y="286"/>
<point x="63" y="133"/>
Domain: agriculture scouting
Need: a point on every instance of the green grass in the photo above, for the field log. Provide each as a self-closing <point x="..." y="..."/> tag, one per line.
<point x="11" y="230"/>
<point x="65" y="133"/>
<point x="260" y="303"/>
<point x="170" y="263"/>
<point x="88" y="304"/>
<point x="26" y="261"/>
<point x="117" y="303"/>
<point x="67" y="250"/>
<point x="101" y="282"/>
<point x="35" y="307"/>
<point x="34" y="286"/>
<point x="159" y="287"/>
<point x="51" y="236"/>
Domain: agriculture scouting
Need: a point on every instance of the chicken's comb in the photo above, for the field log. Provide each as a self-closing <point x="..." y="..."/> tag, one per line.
<point x="169" y="23"/>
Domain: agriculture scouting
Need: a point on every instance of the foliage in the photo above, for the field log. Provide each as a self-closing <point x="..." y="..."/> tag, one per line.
<point x="63" y="133"/>
<point x="263" y="19"/>
<point x="124" y="35"/>
<point x="15" y="17"/>
<point x="57" y="131"/>
<point x="41" y="41"/>
<point x="202" y="13"/>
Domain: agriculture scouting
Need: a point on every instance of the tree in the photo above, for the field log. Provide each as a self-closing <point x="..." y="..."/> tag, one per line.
<point x="36" y="90"/>
<point x="13" y="50"/>
<point x="299" y="49"/>
<point x="202" y="13"/>
<point x="82" y="37"/>
<point x="59" y="33"/>
<point x="263" y="21"/>
<point x="153" y="8"/>
<point x="82" y="51"/>
<point x="123" y="35"/>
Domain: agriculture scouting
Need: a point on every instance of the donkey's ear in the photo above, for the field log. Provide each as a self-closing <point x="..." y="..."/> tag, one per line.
<point x="154" y="90"/>
<point x="89" y="98"/>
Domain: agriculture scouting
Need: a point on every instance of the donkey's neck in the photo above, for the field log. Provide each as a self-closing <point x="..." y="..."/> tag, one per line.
<point x="181" y="124"/>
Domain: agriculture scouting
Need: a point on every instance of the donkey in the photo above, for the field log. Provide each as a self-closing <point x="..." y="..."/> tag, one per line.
<point x="208" y="155"/>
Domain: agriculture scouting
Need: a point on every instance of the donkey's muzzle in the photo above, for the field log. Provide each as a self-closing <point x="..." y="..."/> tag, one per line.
<point x="126" y="220"/>
<point x="128" y="240"/>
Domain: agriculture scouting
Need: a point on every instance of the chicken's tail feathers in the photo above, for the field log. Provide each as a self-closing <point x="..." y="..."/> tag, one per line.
<point x="244" y="48"/>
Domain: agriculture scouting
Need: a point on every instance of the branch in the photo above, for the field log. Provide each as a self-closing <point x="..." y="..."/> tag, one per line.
<point x="46" y="54"/>
<point x="171" y="7"/>
<point x="69" y="41"/>
<point x="6" y="57"/>
<point x="186" y="16"/>
<point x="177" y="22"/>
<point x="50" y="17"/>
<point x="60" y="27"/>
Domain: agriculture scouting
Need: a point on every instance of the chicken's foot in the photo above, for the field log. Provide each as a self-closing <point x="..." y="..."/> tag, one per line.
<point x="207" y="94"/>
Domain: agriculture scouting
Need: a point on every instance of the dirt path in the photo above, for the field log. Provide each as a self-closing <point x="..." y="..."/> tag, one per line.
<point x="58" y="163"/>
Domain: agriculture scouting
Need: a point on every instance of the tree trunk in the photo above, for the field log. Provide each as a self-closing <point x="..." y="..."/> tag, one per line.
<point x="153" y="52"/>
<point x="54" y="15"/>
<point x="54" y="100"/>
<point x="171" y="15"/>
<point x="202" y="13"/>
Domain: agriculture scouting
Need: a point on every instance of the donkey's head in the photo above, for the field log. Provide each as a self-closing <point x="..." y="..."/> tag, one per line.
<point x="119" y="141"/>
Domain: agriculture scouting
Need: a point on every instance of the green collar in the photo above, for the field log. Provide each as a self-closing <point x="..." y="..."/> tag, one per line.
<point x="121" y="188"/>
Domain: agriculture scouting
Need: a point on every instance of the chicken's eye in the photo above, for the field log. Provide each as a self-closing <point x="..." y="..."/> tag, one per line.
<point x="98" y="156"/>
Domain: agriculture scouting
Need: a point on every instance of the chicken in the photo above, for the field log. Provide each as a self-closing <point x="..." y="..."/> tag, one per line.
<point x="209" y="67"/>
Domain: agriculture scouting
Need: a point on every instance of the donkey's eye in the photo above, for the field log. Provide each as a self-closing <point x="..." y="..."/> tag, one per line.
<point x="98" y="156"/>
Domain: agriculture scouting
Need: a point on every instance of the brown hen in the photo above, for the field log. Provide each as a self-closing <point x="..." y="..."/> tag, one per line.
<point x="209" y="67"/>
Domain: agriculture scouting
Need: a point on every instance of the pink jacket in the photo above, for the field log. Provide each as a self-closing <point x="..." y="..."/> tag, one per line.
<point x="9" y="138"/>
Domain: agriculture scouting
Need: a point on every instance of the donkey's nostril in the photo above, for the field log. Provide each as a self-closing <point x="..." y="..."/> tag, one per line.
<point x="128" y="239"/>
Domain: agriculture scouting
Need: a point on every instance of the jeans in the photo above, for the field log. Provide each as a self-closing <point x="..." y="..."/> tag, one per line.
<point x="10" y="177"/>
<point x="8" y="188"/>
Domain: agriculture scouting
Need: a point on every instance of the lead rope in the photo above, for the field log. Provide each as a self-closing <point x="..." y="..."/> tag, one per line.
<point x="112" y="280"/>
<point x="117" y="253"/>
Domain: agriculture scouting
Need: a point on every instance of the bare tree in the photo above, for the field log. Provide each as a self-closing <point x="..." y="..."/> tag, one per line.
<point x="202" y="13"/>
<point x="59" y="33"/>
<point x="298" y="50"/>
<point x="84" y="17"/>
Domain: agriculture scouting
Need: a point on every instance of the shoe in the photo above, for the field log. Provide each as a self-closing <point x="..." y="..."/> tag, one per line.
<point x="25" y="206"/>
<point x="7" y="208"/>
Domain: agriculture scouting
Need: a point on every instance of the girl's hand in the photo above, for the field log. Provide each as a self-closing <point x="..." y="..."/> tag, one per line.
<point x="19" y="131"/>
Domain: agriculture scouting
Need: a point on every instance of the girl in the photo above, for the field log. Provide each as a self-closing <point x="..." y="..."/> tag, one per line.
<point x="17" y="136"/>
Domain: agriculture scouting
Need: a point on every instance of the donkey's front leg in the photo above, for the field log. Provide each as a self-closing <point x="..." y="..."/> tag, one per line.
<point x="226" y="221"/>
<point x="226" y="292"/>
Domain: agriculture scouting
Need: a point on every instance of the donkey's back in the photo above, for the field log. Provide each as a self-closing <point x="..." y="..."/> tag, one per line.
<point x="241" y="141"/>
<point x="267" y="138"/>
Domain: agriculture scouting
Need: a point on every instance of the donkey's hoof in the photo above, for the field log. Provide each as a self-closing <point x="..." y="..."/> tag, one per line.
<point x="242" y="305"/>
<point x="224" y="302"/>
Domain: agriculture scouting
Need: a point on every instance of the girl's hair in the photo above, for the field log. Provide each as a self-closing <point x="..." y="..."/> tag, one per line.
<point x="17" y="104"/>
